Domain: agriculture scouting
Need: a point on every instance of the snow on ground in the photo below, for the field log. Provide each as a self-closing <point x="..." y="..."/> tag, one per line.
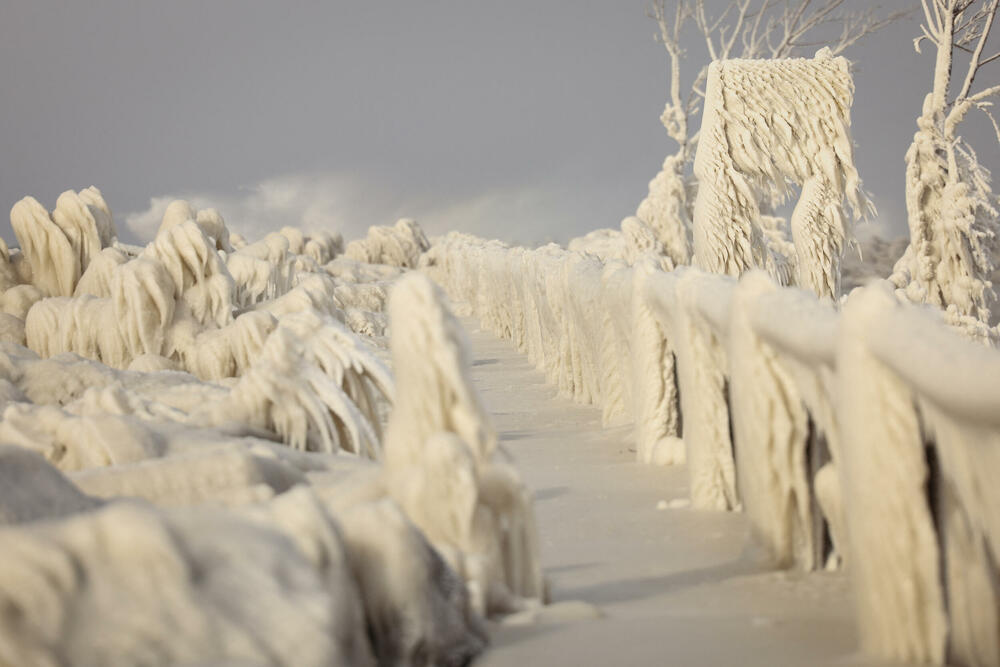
<point x="674" y="585"/>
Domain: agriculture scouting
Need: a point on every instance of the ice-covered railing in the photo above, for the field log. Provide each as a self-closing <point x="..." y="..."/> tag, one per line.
<point x="919" y="416"/>
<point x="866" y="436"/>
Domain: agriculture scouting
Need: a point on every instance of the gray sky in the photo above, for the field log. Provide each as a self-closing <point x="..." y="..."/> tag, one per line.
<point x="523" y="120"/>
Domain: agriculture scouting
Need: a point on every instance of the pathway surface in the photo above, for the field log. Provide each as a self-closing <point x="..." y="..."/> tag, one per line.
<point x="676" y="586"/>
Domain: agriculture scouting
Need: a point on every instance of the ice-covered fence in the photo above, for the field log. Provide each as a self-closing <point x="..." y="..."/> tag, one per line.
<point x="782" y="342"/>
<point x="691" y="308"/>
<point x="578" y="322"/>
<point x="918" y="409"/>
<point x="870" y="435"/>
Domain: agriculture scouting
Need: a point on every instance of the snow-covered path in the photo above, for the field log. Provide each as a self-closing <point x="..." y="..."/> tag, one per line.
<point x="676" y="586"/>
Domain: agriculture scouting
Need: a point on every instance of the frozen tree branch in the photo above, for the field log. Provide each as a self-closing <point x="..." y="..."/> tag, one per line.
<point x="975" y="62"/>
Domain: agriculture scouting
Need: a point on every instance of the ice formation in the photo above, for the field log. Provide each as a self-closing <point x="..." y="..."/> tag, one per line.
<point x="932" y="456"/>
<point x="665" y="209"/>
<point x="240" y="410"/>
<point x="439" y="457"/>
<point x="901" y="615"/>
<point x="632" y="243"/>
<point x="694" y="313"/>
<point x="207" y="421"/>
<point x="58" y="247"/>
<point x="178" y="306"/>
<point x="327" y="587"/>
<point x="545" y="300"/>
<point x="951" y="209"/>
<point x="820" y="426"/>
<point x="399" y="245"/>
<point x="655" y="395"/>
<point x="768" y="122"/>
<point x="775" y="463"/>
<point x="823" y="428"/>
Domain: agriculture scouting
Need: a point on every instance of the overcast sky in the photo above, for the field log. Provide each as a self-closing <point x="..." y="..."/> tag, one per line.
<point x="523" y="120"/>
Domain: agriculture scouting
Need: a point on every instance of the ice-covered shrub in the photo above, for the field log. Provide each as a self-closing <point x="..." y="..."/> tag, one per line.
<point x="58" y="248"/>
<point x="398" y="245"/>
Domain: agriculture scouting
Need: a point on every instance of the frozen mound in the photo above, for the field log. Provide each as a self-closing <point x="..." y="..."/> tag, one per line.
<point x="308" y="380"/>
<point x="208" y="430"/>
<point x="175" y="305"/>
<point x="354" y="271"/>
<point x="33" y="490"/>
<point x="636" y="240"/>
<point x="767" y="123"/>
<point x="607" y="244"/>
<point x="344" y="576"/>
<point x="266" y="269"/>
<point x="9" y="272"/>
<point x="399" y="245"/>
<point x="199" y="277"/>
<point x="58" y="248"/>
<point x="96" y="279"/>
<point x="314" y="384"/>
<point x="324" y="592"/>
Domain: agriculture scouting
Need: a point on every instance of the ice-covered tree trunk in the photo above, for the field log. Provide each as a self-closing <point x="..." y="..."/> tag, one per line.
<point x="666" y="210"/>
<point x="951" y="210"/>
<point x="952" y="226"/>
<point x="768" y="122"/>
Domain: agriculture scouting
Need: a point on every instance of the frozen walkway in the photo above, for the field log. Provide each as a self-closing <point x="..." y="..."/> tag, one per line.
<point x="677" y="587"/>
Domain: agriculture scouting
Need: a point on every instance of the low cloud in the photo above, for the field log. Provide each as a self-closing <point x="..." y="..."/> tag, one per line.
<point x="317" y="201"/>
<point x="331" y="201"/>
<point x="339" y="202"/>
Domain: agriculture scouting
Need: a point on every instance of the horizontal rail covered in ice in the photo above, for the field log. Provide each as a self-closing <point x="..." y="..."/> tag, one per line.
<point x="869" y="434"/>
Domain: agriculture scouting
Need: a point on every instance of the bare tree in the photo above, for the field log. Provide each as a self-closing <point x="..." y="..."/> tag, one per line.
<point x="743" y="29"/>
<point x="951" y="210"/>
